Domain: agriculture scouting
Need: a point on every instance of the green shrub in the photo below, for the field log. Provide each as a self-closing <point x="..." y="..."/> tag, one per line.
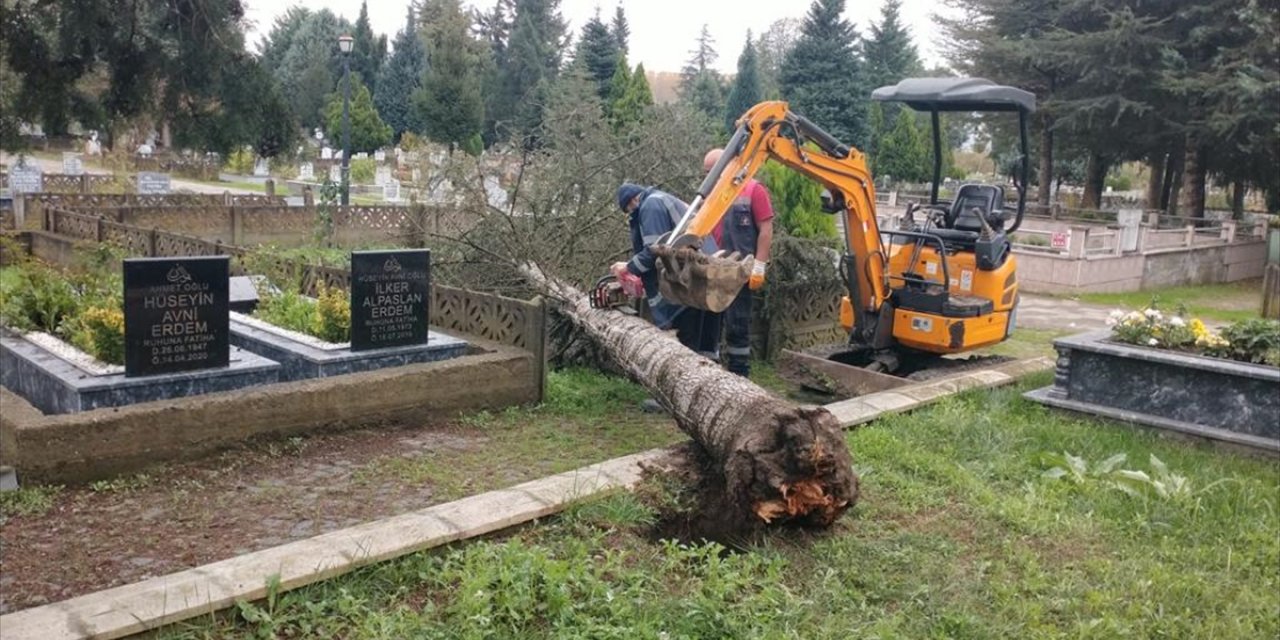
<point x="99" y="331"/>
<point x="333" y="316"/>
<point x="241" y="161"/>
<point x="40" y="300"/>
<point x="363" y="170"/>
<point x="797" y="203"/>
<point x="289" y="310"/>
<point x="1256" y="341"/>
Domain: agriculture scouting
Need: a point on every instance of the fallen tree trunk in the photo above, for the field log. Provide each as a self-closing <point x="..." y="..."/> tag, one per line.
<point x="780" y="462"/>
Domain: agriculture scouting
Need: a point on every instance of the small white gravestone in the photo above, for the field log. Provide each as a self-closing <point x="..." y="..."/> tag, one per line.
<point x="144" y="150"/>
<point x="361" y="156"/>
<point x="1130" y="221"/>
<point x="261" y="168"/>
<point x="26" y="179"/>
<point x="382" y="176"/>
<point x="151" y="183"/>
<point x="417" y="175"/>
<point x="306" y="171"/>
<point x="71" y="163"/>
<point x="335" y="173"/>
<point x="379" y="156"/>
<point x="496" y="194"/>
<point x="391" y="191"/>
<point x="326" y="153"/>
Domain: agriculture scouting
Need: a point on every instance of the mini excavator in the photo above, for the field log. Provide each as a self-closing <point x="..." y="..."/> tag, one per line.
<point x="943" y="283"/>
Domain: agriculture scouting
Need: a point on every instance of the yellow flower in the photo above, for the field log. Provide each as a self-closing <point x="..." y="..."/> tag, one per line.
<point x="1198" y="328"/>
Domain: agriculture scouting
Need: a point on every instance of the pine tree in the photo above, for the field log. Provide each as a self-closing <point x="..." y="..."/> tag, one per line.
<point x="700" y="84"/>
<point x="621" y="30"/>
<point x="400" y="77"/>
<point x="532" y="62"/>
<point x="746" y="85"/>
<point x="494" y="28"/>
<point x="822" y="78"/>
<point x="598" y="53"/>
<point x="449" y="104"/>
<point x="368" y="132"/>
<point x="889" y="52"/>
<point x="367" y="52"/>
<point x="771" y="49"/>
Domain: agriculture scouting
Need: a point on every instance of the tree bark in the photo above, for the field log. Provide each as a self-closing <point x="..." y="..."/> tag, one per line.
<point x="1237" y="200"/>
<point x="1193" y="181"/>
<point x="1155" y="180"/>
<point x="1095" y="177"/>
<point x="780" y="462"/>
<point x="1046" y="161"/>
<point x="1173" y="179"/>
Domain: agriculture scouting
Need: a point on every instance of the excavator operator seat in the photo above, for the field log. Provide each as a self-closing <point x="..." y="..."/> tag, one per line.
<point x="987" y="199"/>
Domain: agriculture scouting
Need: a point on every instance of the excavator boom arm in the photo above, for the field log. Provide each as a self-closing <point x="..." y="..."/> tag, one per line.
<point x="770" y="130"/>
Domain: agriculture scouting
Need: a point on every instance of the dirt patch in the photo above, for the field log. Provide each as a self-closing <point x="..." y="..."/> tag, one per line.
<point x="180" y="516"/>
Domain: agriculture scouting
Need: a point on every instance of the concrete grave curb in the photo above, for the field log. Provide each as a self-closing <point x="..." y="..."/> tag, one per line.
<point x="149" y="604"/>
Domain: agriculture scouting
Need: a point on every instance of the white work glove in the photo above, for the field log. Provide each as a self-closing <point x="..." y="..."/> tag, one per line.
<point x="757" y="275"/>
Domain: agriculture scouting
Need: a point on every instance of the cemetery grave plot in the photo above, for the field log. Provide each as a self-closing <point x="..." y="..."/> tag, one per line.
<point x="65" y="541"/>
<point x="384" y="321"/>
<point x="174" y="342"/>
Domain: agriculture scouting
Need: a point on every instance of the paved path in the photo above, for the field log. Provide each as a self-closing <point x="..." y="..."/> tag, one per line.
<point x="55" y="166"/>
<point x="1044" y="312"/>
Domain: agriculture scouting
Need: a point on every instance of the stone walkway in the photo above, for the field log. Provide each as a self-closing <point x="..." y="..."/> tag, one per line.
<point x="1061" y="314"/>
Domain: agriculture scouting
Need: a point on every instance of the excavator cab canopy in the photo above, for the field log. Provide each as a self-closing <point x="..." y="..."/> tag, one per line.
<point x="938" y="95"/>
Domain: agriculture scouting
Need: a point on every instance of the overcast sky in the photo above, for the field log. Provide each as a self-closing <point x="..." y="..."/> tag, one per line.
<point x="662" y="31"/>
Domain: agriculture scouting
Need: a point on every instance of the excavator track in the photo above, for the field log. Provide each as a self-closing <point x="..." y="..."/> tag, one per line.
<point x="831" y="369"/>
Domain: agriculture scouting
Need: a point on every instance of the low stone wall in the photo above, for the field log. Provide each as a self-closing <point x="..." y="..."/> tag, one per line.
<point x="1053" y="273"/>
<point x="105" y="442"/>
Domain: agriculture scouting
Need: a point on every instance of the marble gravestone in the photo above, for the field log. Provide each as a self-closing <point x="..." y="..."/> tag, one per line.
<point x="176" y="314"/>
<point x="150" y="183"/>
<point x="306" y="172"/>
<point x="26" y="179"/>
<point x="335" y="173"/>
<point x="72" y="164"/>
<point x="390" y="294"/>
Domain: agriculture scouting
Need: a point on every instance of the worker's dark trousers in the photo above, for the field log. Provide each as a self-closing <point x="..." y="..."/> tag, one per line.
<point x="700" y="332"/>
<point x="737" y="320"/>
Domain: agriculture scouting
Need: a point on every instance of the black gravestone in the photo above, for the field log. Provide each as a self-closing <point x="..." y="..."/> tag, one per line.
<point x="175" y="314"/>
<point x="390" y="291"/>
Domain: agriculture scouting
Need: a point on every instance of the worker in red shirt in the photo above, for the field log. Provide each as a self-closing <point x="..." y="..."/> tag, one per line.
<point x="748" y="229"/>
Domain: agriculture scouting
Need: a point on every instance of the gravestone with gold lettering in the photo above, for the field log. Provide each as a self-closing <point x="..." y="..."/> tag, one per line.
<point x="175" y="314"/>
<point x="390" y="291"/>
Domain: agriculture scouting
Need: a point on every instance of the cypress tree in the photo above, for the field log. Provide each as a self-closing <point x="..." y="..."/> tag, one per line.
<point x="903" y="154"/>
<point x="367" y="51"/>
<point x="822" y="77"/>
<point x="400" y="77"/>
<point x="745" y="92"/>
<point x="368" y="131"/>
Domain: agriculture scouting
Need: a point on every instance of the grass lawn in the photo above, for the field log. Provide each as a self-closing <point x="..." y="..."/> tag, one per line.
<point x="282" y="189"/>
<point x="959" y="534"/>
<point x="1220" y="302"/>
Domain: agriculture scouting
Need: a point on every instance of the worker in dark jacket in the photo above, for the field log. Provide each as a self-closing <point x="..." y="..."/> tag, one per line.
<point x="652" y="214"/>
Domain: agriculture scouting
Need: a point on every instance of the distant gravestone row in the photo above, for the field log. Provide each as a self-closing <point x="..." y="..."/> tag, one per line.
<point x="176" y="310"/>
<point x="151" y="183"/>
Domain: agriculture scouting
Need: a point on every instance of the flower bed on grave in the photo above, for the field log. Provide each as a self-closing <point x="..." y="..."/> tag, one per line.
<point x="62" y="342"/>
<point x="1168" y="371"/>
<point x="311" y="337"/>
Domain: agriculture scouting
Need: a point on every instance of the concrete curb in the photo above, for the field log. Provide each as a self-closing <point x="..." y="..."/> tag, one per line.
<point x="147" y="605"/>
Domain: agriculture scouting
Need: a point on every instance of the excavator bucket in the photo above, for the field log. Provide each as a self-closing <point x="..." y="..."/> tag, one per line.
<point x="694" y="279"/>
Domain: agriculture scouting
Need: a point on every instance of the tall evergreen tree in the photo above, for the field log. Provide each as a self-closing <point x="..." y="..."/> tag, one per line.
<point x="700" y="84"/>
<point x="629" y="96"/>
<point x="533" y="60"/>
<point x="368" y="51"/>
<point x="368" y="131"/>
<point x="746" y="91"/>
<point x="449" y="104"/>
<point x="400" y="77"/>
<point x="890" y="53"/>
<point x="598" y="53"/>
<point x="494" y="28"/>
<point x="822" y="77"/>
<point x="301" y="52"/>
<point x="903" y="153"/>
<point x="621" y="30"/>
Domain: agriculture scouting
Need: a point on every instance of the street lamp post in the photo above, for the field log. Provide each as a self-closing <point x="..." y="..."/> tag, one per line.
<point x="344" y="44"/>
